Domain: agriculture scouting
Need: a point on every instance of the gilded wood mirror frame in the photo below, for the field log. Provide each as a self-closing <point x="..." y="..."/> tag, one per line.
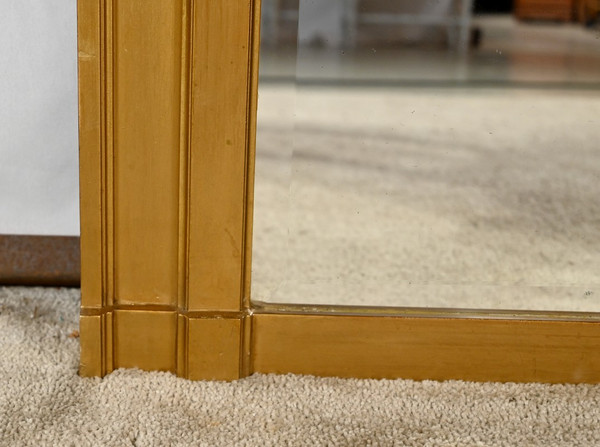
<point x="168" y="93"/>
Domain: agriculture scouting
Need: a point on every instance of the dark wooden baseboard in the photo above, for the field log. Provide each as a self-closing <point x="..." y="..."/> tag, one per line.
<point x="40" y="260"/>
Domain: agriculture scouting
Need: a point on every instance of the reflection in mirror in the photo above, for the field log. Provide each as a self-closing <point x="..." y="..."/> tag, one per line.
<point x="428" y="154"/>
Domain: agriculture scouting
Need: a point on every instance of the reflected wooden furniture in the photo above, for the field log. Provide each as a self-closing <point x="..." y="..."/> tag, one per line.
<point x="544" y="10"/>
<point x="167" y="99"/>
<point x="587" y="10"/>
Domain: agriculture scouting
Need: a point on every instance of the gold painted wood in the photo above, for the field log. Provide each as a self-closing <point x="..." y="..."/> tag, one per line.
<point x="167" y="100"/>
<point x="219" y="130"/>
<point x="145" y="339"/>
<point x="130" y="84"/>
<point x="90" y="340"/>
<point x="216" y="348"/>
<point x="427" y="348"/>
<point x="91" y="140"/>
<point x="164" y="148"/>
<point x="144" y="98"/>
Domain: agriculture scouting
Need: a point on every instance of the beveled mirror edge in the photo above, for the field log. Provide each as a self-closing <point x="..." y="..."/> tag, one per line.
<point x="261" y="307"/>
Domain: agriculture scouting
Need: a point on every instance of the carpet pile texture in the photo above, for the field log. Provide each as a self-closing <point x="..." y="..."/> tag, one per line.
<point x="43" y="402"/>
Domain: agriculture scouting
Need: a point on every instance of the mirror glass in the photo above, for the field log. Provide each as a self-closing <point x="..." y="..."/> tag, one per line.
<point x="428" y="154"/>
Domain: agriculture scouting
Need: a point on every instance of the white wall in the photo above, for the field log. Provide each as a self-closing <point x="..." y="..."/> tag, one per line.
<point x="38" y="117"/>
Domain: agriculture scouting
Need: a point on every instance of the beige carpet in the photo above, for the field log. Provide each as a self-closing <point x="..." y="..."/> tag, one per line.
<point x="44" y="403"/>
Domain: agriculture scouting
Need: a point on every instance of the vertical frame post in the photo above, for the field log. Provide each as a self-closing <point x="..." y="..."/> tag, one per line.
<point x="167" y="98"/>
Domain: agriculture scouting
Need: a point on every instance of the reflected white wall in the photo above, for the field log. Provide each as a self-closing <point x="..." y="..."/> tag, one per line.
<point x="38" y="118"/>
<point x="323" y="21"/>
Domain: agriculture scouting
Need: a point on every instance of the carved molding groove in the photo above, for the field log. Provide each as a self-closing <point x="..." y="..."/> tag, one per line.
<point x="164" y="148"/>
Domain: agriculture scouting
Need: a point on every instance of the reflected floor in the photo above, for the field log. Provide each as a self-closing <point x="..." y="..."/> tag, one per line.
<point x="484" y="198"/>
<point x="377" y="186"/>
